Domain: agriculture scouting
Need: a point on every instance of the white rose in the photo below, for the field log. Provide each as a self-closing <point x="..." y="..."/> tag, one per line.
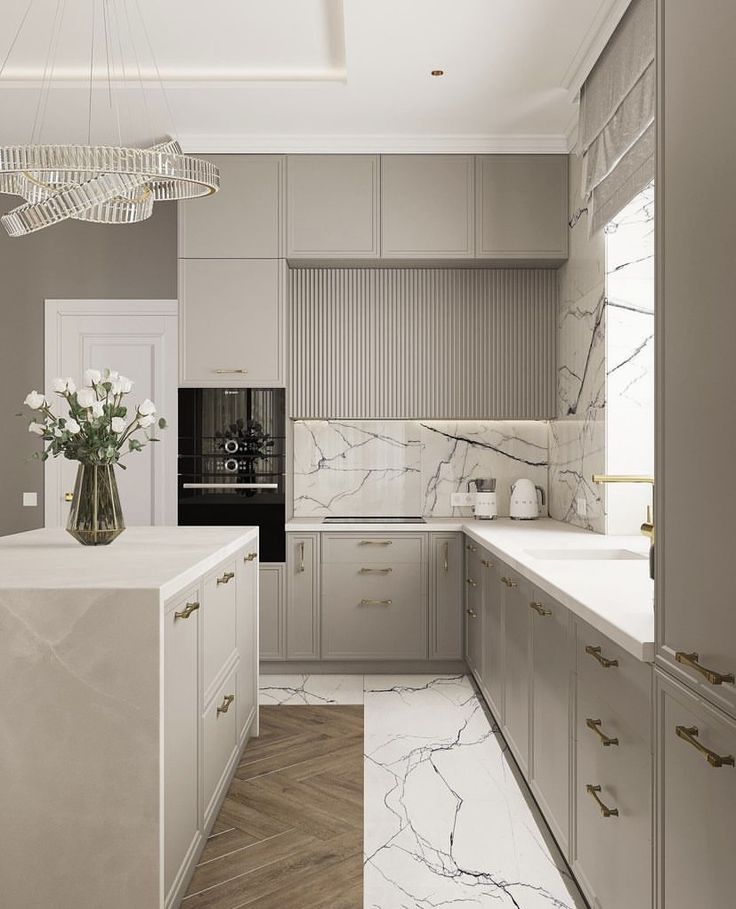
<point x="38" y="428"/>
<point x="97" y="408"/>
<point x="116" y="387"/>
<point x="92" y="377"/>
<point x="72" y="427"/>
<point x="117" y="424"/>
<point x="146" y="420"/>
<point x="86" y="397"/>
<point x="35" y="400"/>
<point x="111" y="375"/>
<point x="147" y="408"/>
<point x="126" y="384"/>
<point x="64" y="385"/>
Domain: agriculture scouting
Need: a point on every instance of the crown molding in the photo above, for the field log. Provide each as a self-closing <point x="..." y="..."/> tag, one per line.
<point x="472" y="144"/>
<point x="603" y="26"/>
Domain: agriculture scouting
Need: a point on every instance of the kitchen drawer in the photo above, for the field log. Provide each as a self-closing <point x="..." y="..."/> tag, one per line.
<point x="374" y="616"/>
<point x="219" y="623"/>
<point x="371" y="548"/>
<point x="219" y="739"/>
<point x="621" y="681"/>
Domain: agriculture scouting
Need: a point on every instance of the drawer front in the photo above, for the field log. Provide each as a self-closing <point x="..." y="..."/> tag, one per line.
<point x="371" y="548"/>
<point x="370" y="615"/>
<point x="219" y="739"/>
<point x="219" y="622"/>
<point x="613" y="854"/>
<point x="614" y="676"/>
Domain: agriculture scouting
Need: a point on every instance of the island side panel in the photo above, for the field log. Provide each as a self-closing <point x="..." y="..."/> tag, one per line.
<point x="79" y="748"/>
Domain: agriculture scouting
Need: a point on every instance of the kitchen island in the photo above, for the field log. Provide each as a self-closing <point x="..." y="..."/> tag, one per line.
<point x="129" y="688"/>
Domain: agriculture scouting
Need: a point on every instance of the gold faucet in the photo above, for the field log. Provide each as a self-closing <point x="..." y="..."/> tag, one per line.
<point x="647" y="528"/>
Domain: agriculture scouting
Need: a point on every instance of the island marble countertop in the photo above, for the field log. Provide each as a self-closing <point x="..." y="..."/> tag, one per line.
<point x="166" y="559"/>
<point x="615" y="596"/>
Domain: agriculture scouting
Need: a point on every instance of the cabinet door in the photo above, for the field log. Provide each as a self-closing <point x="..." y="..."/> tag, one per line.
<point x="247" y="638"/>
<point x="552" y="671"/>
<point x="302" y="592"/>
<point x="473" y="609"/>
<point x="272" y="612"/>
<point x="427" y="206"/>
<point x="244" y="219"/>
<point x="521" y="207"/>
<point x="697" y="800"/>
<point x="232" y="322"/>
<point x="493" y="644"/>
<point x="446" y="597"/>
<point x="516" y="662"/>
<point x="181" y="721"/>
<point x="332" y="206"/>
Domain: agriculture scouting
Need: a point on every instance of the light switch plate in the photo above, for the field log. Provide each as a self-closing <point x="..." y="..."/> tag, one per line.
<point x="462" y="499"/>
<point x="30" y="499"/>
<point x="581" y="506"/>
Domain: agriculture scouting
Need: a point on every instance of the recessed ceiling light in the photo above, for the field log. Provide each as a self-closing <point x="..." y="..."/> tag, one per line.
<point x="437" y="72"/>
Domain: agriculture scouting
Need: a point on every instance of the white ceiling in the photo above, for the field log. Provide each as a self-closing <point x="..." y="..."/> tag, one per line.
<point x="309" y="75"/>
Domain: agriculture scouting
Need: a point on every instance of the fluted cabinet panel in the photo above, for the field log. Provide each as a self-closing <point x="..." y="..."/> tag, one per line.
<point x="392" y="343"/>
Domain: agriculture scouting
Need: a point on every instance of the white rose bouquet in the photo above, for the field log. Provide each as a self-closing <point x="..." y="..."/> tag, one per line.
<point x="99" y="429"/>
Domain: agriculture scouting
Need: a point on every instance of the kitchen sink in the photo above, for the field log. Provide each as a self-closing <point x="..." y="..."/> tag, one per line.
<point x="591" y="555"/>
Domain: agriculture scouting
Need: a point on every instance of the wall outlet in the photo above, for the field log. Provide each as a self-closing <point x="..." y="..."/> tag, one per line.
<point x="462" y="499"/>
<point x="30" y="499"/>
<point x="581" y="506"/>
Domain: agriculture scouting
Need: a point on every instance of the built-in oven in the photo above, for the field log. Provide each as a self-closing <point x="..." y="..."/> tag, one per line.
<point x="232" y="461"/>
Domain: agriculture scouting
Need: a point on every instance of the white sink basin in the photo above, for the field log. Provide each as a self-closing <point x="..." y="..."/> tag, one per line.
<point x="593" y="555"/>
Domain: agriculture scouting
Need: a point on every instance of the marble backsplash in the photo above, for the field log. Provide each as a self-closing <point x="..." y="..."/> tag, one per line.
<point x="397" y="467"/>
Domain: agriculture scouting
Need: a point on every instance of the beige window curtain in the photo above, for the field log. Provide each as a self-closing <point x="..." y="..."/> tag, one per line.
<point x="616" y="127"/>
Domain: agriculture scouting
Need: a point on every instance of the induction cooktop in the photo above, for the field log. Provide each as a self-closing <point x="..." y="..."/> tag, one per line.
<point x="373" y="519"/>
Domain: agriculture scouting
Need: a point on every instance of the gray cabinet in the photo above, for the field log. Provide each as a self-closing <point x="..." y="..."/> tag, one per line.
<point x="516" y="662"/>
<point x="493" y="645"/>
<point x="697" y="799"/>
<point x="521" y="207"/>
<point x="303" y="596"/>
<point x="244" y="220"/>
<point x="551" y="677"/>
<point x="247" y="635"/>
<point x="232" y="322"/>
<point x="446" y="596"/>
<point x="427" y="206"/>
<point x="272" y="611"/>
<point x="333" y="206"/>
<point x="473" y="609"/>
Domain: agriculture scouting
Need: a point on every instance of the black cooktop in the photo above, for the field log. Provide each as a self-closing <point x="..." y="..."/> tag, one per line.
<point x="392" y="519"/>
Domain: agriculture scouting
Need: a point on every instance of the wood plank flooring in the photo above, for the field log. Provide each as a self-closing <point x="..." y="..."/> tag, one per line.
<point x="290" y="831"/>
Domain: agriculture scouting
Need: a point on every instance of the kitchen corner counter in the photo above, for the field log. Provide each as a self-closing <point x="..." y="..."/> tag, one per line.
<point x="615" y="596"/>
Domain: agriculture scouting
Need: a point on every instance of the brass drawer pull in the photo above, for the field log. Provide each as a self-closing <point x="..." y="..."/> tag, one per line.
<point x="376" y="602"/>
<point x="472" y="613"/>
<point x="509" y="583"/>
<point x="710" y="675"/>
<point x="226" y="578"/>
<point x="68" y="496"/>
<point x="186" y="611"/>
<point x="595" y="652"/>
<point x="689" y="733"/>
<point x="251" y="556"/>
<point x="225" y="372"/>
<point x="447" y="557"/>
<point x="375" y="571"/>
<point x="376" y="542"/>
<point x="226" y="702"/>
<point x="595" y="725"/>
<point x="537" y="607"/>
<point x="301" y="568"/>
<point x="487" y="564"/>
<point x="471" y="582"/>
<point x="605" y="810"/>
<point x="471" y="548"/>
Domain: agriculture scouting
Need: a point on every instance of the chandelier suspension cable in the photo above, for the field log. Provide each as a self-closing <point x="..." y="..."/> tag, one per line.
<point x="136" y="58"/>
<point x="15" y="37"/>
<point x="91" y="72"/>
<point x="172" y="124"/>
<point x="47" y="69"/>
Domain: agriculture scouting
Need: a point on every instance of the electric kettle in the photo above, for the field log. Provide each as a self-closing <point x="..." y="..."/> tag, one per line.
<point x="526" y="500"/>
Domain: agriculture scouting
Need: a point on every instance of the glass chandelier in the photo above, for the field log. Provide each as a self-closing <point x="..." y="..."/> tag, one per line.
<point x="105" y="184"/>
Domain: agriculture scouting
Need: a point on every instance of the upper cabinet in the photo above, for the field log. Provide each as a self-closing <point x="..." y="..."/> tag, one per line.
<point x="521" y="207"/>
<point x="427" y="206"/>
<point x="243" y="220"/>
<point x="333" y="206"/>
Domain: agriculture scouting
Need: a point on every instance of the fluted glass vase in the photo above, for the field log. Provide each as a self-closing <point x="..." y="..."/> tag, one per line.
<point x="95" y="518"/>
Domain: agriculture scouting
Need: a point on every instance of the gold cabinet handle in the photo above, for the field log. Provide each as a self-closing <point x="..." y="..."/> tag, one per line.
<point x="226" y="578"/>
<point x="710" y="675"/>
<point x="68" y="496"/>
<point x="226" y="702"/>
<point x="509" y="583"/>
<point x="595" y="652"/>
<point x="447" y="556"/>
<point x="187" y="611"/>
<point x="376" y="602"/>
<point x="538" y="608"/>
<point x="376" y="542"/>
<point x="375" y="571"/>
<point x="595" y="725"/>
<point x="689" y="735"/>
<point x="471" y="582"/>
<point x="301" y="568"/>
<point x="486" y="563"/>
<point x="472" y="613"/>
<point x="471" y="548"/>
<point x="251" y="556"/>
<point x="224" y="372"/>
<point x="605" y="810"/>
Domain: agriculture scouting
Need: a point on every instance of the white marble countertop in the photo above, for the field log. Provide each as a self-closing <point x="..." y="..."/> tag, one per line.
<point x="166" y="559"/>
<point x="615" y="596"/>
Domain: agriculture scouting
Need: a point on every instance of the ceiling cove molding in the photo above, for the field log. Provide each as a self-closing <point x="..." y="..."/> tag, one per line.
<point x="603" y="26"/>
<point x="377" y="144"/>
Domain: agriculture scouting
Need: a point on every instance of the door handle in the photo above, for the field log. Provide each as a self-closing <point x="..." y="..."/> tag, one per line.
<point x="376" y="602"/>
<point x="301" y="558"/>
<point x="68" y="496"/>
<point x="538" y="608"/>
<point x="250" y="557"/>
<point x="226" y="702"/>
<point x="595" y="652"/>
<point x="186" y="611"/>
<point x="447" y="557"/>
<point x="710" y="675"/>
<point x="224" y="372"/>
<point x="605" y="810"/>
<point x="689" y="735"/>
<point x="595" y="725"/>
<point x="375" y="571"/>
<point x="226" y="578"/>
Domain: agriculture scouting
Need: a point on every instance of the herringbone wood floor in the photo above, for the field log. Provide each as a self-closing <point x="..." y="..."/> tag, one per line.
<point x="290" y="832"/>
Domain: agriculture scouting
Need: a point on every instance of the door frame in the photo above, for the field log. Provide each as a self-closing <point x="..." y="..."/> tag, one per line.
<point x="54" y="311"/>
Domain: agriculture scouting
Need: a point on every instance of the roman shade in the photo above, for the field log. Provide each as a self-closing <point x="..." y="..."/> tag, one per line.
<point x="616" y="127"/>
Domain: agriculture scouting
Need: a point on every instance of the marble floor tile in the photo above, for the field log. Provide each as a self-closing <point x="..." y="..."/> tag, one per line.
<point x="311" y="689"/>
<point x="446" y="821"/>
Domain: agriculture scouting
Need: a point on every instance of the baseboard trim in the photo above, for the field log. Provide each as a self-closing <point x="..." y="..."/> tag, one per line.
<point x="363" y="667"/>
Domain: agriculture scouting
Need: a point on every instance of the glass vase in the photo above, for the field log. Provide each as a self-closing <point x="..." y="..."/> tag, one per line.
<point x="95" y="518"/>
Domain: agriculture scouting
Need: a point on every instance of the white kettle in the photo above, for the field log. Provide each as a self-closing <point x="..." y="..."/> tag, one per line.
<point x="527" y="500"/>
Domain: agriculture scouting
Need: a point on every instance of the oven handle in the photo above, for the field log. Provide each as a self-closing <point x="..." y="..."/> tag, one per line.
<point x="230" y="485"/>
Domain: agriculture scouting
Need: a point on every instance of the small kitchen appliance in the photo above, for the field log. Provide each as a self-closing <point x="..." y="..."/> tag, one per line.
<point x="527" y="500"/>
<point x="485" y="507"/>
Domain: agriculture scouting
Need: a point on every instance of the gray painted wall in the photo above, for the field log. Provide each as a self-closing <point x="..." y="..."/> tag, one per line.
<point x="73" y="261"/>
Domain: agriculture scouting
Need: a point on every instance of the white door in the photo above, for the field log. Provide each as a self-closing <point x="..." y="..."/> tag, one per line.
<point x="139" y="338"/>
